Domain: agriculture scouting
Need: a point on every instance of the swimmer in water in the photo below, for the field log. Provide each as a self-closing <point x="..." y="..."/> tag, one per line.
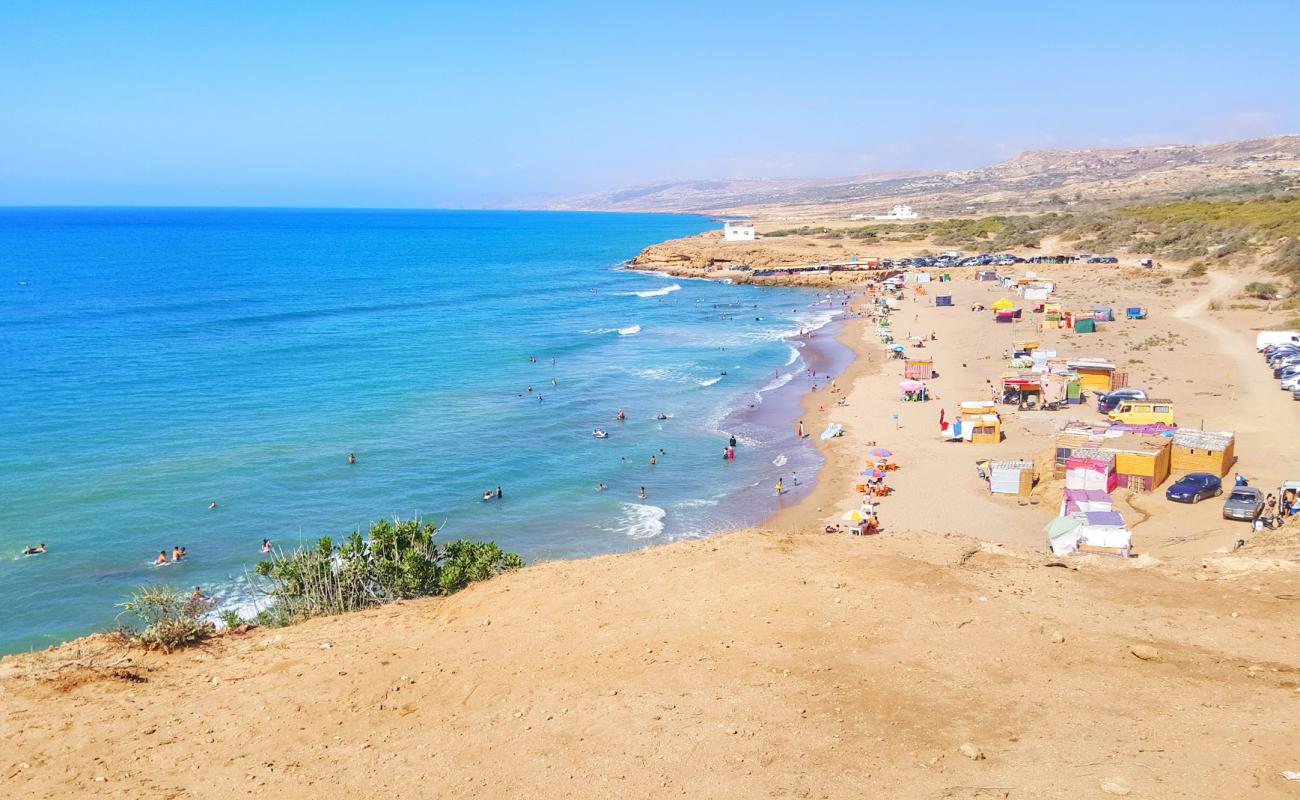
<point x="620" y="416"/>
<point x="266" y="545"/>
<point x="212" y="505"/>
<point x="642" y="492"/>
<point x="352" y="458"/>
<point x="661" y="415"/>
<point x="32" y="551"/>
<point x="600" y="487"/>
<point x="162" y="557"/>
<point x="487" y="495"/>
<point x="177" y="553"/>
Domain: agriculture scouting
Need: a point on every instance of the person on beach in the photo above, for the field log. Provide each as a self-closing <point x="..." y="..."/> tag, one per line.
<point x="352" y="458"/>
<point x="794" y="478"/>
<point x="798" y="429"/>
<point x="266" y="545"/>
<point x="162" y="557"/>
<point x="32" y="551"/>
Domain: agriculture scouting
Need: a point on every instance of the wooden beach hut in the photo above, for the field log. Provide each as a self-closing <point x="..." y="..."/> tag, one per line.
<point x="1011" y="477"/>
<point x="982" y="418"/>
<point x="1095" y="374"/>
<point x="918" y="369"/>
<point x="1142" y="463"/>
<point x="1203" y="451"/>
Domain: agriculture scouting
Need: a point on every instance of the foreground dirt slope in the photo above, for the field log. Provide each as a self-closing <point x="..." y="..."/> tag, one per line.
<point x="747" y="665"/>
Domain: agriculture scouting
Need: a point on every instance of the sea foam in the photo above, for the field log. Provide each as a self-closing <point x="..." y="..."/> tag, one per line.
<point x="641" y="521"/>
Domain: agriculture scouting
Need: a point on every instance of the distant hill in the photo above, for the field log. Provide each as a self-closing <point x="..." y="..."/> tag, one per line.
<point x="1036" y="180"/>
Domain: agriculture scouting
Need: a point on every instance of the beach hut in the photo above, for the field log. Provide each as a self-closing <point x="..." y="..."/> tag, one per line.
<point x="1090" y="468"/>
<point x="1135" y="312"/>
<point x="918" y="369"/>
<point x="986" y="275"/>
<point x="1142" y="463"/>
<point x="1203" y="451"/>
<point x="1085" y="325"/>
<point x="943" y="300"/>
<point x="1103" y="532"/>
<point x="1002" y="304"/>
<point x="1095" y="374"/>
<point x="1103" y="314"/>
<point x="1011" y="477"/>
<point x="1063" y="534"/>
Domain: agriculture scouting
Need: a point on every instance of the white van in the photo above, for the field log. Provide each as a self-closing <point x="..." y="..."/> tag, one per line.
<point x="1265" y="338"/>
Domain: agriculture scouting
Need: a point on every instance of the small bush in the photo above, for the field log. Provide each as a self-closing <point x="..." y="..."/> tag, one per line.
<point x="1216" y="305"/>
<point x="1196" y="270"/>
<point x="1166" y="281"/>
<point x="171" y="619"/>
<point x="396" y="560"/>
<point x="1261" y="290"/>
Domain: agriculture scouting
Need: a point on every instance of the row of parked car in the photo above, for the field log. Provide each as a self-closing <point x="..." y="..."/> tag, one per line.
<point x="1283" y="359"/>
<point x="953" y="259"/>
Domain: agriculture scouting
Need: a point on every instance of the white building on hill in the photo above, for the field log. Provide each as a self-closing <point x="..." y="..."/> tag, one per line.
<point x="899" y="212"/>
<point x="737" y="231"/>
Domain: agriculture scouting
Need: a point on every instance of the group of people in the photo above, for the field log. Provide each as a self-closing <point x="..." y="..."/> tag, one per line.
<point x="493" y="495"/>
<point x="178" y="553"/>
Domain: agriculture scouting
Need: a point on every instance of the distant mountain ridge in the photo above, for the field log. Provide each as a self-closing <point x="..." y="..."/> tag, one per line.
<point x="1031" y="181"/>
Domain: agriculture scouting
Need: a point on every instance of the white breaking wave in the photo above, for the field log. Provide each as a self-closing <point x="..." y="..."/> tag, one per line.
<point x="778" y="382"/>
<point x="641" y="521"/>
<point x="652" y="292"/>
<point x="794" y="355"/>
<point x="780" y="460"/>
<point x="630" y="330"/>
<point x="711" y="381"/>
<point x="695" y="503"/>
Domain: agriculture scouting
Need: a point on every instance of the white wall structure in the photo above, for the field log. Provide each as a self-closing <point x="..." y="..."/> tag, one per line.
<point x="736" y="231"/>
<point x="900" y="212"/>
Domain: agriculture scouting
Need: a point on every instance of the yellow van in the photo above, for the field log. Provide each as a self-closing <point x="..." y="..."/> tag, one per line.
<point x="1144" y="412"/>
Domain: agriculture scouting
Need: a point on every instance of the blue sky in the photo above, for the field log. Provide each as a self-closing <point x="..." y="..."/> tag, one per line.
<point x="466" y="104"/>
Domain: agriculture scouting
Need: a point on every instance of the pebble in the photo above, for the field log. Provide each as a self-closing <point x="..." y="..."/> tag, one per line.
<point x="970" y="751"/>
<point x="1115" y="786"/>
<point x="1057" y="637"/>
<point x="1145" y="652"/>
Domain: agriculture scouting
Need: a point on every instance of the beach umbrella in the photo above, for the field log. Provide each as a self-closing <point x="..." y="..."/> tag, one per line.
<point x="911" y="386"/>
<point x="873" y="473"/>
<point x="853" y="516"/>
<point x="880" y="452"/>
<point x="898" y="347"/>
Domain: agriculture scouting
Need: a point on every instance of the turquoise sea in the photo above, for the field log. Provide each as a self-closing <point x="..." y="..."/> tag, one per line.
<point x="153" y="361"/>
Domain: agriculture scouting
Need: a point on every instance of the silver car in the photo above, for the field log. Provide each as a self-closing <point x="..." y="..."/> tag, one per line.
<point x="1245" y="503"/>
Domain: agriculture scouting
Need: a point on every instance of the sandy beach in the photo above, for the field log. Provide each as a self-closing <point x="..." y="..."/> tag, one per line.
<point x="949" y="656"/>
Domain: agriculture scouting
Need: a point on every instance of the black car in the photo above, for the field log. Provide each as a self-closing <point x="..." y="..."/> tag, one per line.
<point x="1107" y="401"/>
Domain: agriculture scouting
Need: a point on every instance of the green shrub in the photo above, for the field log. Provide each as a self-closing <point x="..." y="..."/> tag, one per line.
<point x="1196" y="270"/>
<point x="1261" y="290"/>
<point x="171" y="619"/>
<point x="396" y="560"/>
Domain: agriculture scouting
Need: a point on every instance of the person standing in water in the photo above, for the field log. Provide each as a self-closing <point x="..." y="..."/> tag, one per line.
<point x="352" y="458"/>
<point x="798" y="429"/>
<point x="266" y="545"/>
<point x="642" y="492"/>
<point x="499" y="495"/>
<point x="732" y="441"/>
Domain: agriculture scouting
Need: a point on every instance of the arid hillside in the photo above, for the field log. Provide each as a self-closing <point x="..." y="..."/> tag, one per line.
<point x="1032" y="181"/>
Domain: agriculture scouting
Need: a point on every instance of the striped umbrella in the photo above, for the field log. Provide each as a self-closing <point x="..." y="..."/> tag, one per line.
<point x="880" y="452"/>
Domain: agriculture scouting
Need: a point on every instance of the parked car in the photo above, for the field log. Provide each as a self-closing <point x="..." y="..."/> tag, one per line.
<point x="1194" y="487"/>
<point x="1143" y="412"/>
<point x="1291" y="383"/>
<point x="1244" y="503"/>
<point x="1286" y="368"/>
<point x="1295" y="394"/>
<point x="1106" y="401"/>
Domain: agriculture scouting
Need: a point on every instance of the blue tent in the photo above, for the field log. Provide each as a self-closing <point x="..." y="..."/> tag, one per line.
<point x="943" y="300"/>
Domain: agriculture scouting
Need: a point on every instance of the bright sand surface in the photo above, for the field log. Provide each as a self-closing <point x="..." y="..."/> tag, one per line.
<point x="779" y="661"/>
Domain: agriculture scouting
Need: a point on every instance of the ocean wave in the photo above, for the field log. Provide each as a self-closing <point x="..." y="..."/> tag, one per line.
<point x="630" y="330"/>
<point x="794" y="354"/>
<point x="698" y="503"/>
<point x="652" y="292"/>
<point x="710" y="381"/>
<point x="641" y="521"/>
<point x="780" y="460"/>
<point x="778" y="382"/>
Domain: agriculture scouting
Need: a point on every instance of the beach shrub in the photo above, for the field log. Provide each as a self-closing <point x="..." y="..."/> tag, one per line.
<point x="1261" y="290"/>
<point x="170" y="619"/>
<point x="393" y="561"/>
<point x="1196" y="270"/>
